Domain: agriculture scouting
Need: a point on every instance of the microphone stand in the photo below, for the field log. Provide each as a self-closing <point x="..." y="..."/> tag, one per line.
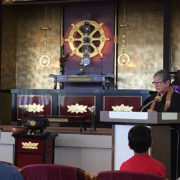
<point x="154" y="100"/>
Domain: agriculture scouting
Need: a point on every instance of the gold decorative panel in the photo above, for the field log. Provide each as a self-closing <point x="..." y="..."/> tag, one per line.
<point x="144" y="43"/>
<point x="23" y="45"/>
<point x="8" y="59"/>
<point x="175" y="35"/>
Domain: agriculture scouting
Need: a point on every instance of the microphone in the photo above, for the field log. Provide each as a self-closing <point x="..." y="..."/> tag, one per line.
<point x="156" y="99"/>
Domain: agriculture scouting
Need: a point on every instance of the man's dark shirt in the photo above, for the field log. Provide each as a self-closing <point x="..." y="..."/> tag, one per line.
<point x="159" y="106"/>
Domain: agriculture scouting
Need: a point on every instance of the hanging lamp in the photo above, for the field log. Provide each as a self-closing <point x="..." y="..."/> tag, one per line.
<point x="45" y="60"/>
<point x="123" y="58"/>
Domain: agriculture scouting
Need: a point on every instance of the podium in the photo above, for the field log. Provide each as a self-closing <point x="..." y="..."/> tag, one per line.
<point x="160" y="124"/>
<point x="34" y="149"/>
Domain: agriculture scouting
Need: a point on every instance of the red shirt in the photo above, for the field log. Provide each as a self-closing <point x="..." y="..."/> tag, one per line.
<point x="144" y="163"/>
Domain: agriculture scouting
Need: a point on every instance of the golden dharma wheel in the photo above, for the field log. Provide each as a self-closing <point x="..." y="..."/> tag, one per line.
<point x="96" y="39"/>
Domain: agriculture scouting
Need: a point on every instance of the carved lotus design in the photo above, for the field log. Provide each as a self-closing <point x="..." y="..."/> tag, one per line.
<point x="122" y="108"/>
<point x="29" y="145"/>
<point x="76" y="108"/>
<point x="33" y="107"/>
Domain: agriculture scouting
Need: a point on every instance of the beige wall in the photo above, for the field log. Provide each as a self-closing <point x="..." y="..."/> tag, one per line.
<point x="23" y="44"/>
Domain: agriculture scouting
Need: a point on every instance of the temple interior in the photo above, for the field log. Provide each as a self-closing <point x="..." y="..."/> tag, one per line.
<point x="75" y="73"/>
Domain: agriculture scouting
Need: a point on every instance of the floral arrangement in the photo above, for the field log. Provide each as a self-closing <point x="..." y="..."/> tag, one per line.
<point x="91" y="109"/>
<point x="63" y="59"/>
<point x="23" y="109"/>
<point x="93" y="121"/>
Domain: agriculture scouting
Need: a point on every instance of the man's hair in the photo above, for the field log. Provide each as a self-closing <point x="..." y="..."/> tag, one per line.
<point x="163" y="74"/>
<point x="140" y="138"/>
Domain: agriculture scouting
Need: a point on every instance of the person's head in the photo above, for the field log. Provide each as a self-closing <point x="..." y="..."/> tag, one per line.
<point x="162" y="81"/>
<point x="140" y="138"/>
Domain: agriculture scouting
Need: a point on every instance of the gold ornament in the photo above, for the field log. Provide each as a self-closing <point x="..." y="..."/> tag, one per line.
<point x="76" y="38"/>
<point x="32" y="122"/>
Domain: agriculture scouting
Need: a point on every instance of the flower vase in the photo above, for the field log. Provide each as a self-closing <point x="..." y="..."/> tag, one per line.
<point x="23" y="116"/>
<point x="62" y="70"/>
<point x="93" y="123"/>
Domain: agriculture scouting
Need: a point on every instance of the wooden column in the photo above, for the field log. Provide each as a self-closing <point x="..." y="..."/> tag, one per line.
<point x="166" y="43"/>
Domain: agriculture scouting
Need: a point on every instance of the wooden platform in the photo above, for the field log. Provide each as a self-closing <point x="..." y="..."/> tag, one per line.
<point x="72" y="148"/>
<point x="67" y="130"/>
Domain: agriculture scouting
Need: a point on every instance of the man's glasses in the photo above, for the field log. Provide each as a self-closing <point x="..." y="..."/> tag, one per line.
<point x="157" y="83"/>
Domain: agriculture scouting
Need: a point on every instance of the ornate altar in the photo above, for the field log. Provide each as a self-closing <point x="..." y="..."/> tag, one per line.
<point x="106" y="80"/>
<point x="56" y="101"/>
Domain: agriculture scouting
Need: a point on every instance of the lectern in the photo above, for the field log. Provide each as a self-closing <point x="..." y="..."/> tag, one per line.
<point x="34" y="149"/>
<point x="160" y="124"/>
